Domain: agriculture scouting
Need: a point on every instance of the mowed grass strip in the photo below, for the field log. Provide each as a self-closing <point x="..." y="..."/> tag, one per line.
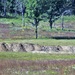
<point x="18" y="20"/>
<point x="43" y="42"/>
<point x="36" y="56"/>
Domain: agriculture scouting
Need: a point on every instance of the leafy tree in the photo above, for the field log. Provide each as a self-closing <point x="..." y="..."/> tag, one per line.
<point x="23" y="10"/>
<point x="45" y="9"/>
<point x="67" y="7"/>
<point x="52" y="9"/>
<point x="33" y="13"/>
<point x="18" y="7"/>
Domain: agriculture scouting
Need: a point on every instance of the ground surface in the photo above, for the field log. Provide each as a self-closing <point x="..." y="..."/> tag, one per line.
<point x="21" y="63"/>
<point x="18" y="32"/>
<point x="36" y="64"/>
<point x="12" y="28"/>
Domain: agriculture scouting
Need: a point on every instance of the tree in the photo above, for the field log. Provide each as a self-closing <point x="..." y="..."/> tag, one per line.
<point x="15" y="6"/>
<point x="19" y="7"/>
<point x="67" y="7"/>
<point x="23" y="10"/>
<point x="33" y="13"/>
<point x="45" y="9"/>
<point x="53" y="9"/>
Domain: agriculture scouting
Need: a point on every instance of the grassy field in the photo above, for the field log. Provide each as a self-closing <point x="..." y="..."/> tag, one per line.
<point x="13" y="28"/>
<point x="10" y="20"/>
<point x="67" y="19"/>
<point x="18" y="20"/>
<point x="21" y="63"/>
<point x="36" y="64"/>
<point x="42" y="42"/>
<point x="35" y="56"/>
<point x="46" y="67"/>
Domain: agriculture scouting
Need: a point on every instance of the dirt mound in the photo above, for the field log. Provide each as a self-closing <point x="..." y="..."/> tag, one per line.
<point x="19" y="47"/>
<point x="34" y="48"/>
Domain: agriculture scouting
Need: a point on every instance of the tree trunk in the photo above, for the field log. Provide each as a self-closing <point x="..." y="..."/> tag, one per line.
<point x="23" y="24"/>
<point x="36" y="25"/>
<point x="36" y="31"/>
<point x="4" y="9"/>
<point x="15" y="14"/>
<point x="62" y="18"/>
<point x="50" y="23"/>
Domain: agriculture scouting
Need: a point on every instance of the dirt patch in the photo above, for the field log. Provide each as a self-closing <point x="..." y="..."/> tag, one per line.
<point x="6" y="31"/>
<point x="39" y="67"/>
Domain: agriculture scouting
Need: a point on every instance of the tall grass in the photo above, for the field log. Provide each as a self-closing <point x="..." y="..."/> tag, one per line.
<point x="46" y="67"/>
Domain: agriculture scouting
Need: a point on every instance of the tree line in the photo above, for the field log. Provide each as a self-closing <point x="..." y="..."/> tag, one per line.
<point x="36" y="10"/>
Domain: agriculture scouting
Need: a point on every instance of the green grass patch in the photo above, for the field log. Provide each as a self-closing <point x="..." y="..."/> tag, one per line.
<point x="46" y="42"/>
<point x="67" y="19"/>
<point x="16" y="21"/>
<point x="35" y="56"/>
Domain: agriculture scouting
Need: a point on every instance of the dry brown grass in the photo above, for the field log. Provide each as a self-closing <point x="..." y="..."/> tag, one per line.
<point x="46" y="67"/>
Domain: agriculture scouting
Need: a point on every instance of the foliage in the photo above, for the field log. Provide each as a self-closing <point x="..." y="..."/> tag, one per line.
<point x="53" y="10"/>
<point x="34" y="13"/>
